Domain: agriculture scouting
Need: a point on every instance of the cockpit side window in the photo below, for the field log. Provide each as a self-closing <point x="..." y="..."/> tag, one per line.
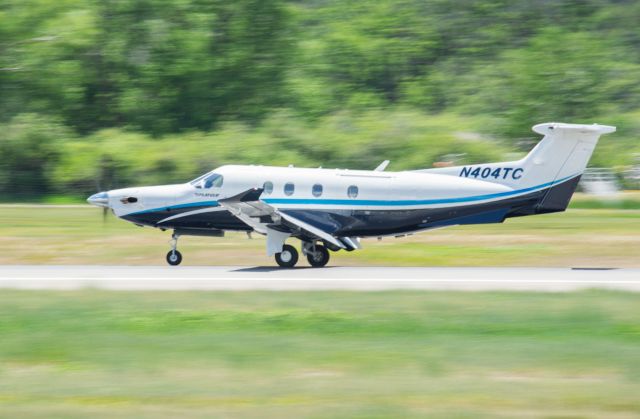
<point x="197" y="181"/>
<point x="213" y="181"/>
<point x="209" y="180"/>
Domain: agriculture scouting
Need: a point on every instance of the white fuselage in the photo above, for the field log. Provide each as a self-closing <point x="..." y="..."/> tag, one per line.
<point x="375" y="190"/>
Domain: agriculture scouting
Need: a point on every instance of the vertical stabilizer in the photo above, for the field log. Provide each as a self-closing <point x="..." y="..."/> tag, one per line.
<point x="562" y="154"/>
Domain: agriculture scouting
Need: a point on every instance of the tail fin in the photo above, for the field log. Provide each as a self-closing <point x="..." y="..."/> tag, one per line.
<point x="562" y="154"/>
<point x="554" y="165"/>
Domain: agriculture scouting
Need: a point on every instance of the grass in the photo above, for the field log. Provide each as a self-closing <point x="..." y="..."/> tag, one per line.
<point x="78" y="235"/>
<point x="319" y="354"/>
<point x="322" y="354"/>
<point x="623" y="200"/>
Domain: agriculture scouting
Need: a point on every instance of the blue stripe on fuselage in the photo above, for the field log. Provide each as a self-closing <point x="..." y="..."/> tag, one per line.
<point x="180" y="206"/>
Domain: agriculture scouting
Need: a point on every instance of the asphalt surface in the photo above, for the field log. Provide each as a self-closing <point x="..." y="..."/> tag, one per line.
<point x="329" y="278"/>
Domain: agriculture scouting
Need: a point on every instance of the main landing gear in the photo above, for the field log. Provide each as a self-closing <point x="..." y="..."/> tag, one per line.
<point x="288" y="257"/>
<point x="174" y="257"/>
<point x="317" y="255"/>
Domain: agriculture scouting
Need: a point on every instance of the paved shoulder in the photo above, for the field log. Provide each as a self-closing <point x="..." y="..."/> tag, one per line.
<point x="330" y="278"/>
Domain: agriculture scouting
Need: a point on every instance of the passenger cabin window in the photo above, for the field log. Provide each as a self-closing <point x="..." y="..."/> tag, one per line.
<point x="289" y="188"/>
<point x="267" y="188"/>
<point x="316" y="190"/>
<point x="352" y="192"/>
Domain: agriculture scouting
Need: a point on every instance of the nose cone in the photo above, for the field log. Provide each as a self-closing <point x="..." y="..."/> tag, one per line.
<point x="100" y="199"/>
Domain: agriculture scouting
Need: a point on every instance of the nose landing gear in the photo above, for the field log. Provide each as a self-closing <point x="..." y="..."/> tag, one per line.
<point x="174" y="257"/>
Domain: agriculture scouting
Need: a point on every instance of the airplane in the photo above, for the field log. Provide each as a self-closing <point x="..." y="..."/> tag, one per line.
<point x="333" y="209"/>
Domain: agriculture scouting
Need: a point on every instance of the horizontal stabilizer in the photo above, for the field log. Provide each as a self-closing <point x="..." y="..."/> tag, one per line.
<point x="544" y="129"/>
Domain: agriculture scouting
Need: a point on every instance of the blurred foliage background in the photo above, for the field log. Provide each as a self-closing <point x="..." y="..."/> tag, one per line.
<point x="102" y="94"/>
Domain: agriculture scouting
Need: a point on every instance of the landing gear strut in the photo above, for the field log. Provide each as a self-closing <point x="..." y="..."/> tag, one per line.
<point x="317" y="254"/>
<point x="288" y="257"/>
<point x="174" y="257"/>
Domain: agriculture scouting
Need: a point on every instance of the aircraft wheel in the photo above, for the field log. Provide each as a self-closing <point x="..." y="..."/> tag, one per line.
<point x="174" y="258"/>
<point x="320" y="258"/>
<point x="288" y="257"/>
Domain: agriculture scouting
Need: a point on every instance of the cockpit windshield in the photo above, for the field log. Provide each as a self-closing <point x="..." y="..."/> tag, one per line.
<point x="197" y="180"/>
<point x="209" y="180"/>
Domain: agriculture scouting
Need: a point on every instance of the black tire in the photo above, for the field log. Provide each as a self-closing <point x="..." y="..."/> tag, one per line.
<point x="320" y="258"/>
<point x="288" y="257"/>
<point x="174" y="258"/>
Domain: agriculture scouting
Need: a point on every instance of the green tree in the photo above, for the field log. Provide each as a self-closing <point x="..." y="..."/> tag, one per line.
<point x="558" y="76"/>
<point x="158" y="65"/>
<point x="29" y="147"/>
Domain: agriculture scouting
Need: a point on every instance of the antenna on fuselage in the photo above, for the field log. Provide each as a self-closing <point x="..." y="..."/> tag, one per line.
<point x="382" y="166"/>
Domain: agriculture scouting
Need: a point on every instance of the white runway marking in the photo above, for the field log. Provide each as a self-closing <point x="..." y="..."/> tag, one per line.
<point x="331" y="278"/>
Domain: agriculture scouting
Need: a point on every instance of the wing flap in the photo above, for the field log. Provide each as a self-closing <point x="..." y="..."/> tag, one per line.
<point x="313" y="230"/>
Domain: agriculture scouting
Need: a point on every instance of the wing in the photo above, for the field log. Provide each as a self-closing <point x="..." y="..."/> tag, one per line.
<point x="249" y="209"/>
<point x="277" y="225"/>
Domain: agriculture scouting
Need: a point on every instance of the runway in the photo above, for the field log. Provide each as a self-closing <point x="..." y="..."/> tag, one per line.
<point x="165" y="278"/>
